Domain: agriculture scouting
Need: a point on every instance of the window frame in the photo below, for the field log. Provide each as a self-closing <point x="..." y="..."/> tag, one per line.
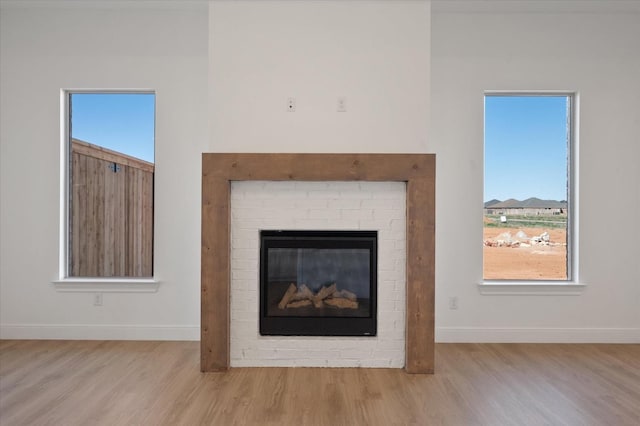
<point x="571" y="285"/>
<point x="64" y="282"/>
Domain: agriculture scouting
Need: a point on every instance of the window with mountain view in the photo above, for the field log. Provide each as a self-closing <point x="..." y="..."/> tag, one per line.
<point x="527" y="187"/>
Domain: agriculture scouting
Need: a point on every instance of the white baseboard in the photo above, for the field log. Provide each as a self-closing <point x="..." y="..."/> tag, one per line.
<point x="443" y="334"/>
<point x="98" y="332"/>
<point x="536" y="335"/>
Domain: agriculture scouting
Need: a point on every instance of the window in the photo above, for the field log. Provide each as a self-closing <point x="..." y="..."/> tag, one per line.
<point x="109" y="184"/>
<point x="528" y="186"/>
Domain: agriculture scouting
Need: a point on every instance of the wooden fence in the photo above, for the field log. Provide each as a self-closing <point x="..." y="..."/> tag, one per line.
<point x="111" y="213"/>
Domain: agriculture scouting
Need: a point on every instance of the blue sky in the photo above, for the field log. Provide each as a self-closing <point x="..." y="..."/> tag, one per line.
<point x="525" y="147"/>
<point x="123" y="122"/>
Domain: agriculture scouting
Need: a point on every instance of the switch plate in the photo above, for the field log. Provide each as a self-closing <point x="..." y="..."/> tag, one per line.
<point x="97" y="299"/>
<point x="342" y="104"/>
<point x="453" y="303"/>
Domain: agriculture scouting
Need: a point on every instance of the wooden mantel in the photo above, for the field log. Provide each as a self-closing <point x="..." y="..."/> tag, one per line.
<point x="219" y="170"/>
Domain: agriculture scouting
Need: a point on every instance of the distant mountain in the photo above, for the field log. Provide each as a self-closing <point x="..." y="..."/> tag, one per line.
<point x="488" y="204"/>
<point x="531" y="203"/>
<point x="510" y="203"/>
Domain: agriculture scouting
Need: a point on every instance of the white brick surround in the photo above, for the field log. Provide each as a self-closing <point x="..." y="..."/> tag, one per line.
<point x="379" y="206"/>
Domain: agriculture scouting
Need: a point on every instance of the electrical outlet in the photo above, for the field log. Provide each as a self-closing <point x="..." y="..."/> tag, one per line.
<point x="97" y="299"/>
<point x="453" y="303"/>
<point x="291" y="104"/>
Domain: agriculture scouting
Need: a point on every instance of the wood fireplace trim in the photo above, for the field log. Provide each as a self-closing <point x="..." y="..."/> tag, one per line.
<point x="219" y="170"/>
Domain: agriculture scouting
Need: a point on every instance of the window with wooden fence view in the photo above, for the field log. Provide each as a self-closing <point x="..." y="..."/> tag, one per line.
<point x="111" y="184"/>
<point x="527" y="187"/>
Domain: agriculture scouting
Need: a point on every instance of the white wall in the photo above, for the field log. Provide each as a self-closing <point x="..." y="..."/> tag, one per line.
<point x="398" y="63"/>
<point x="375" y="53"/>
<point x="587" y="50"/>
<point x="46" y="49"/>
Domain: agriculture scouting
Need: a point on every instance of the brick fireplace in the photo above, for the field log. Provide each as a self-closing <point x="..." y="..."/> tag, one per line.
<point x="219" y="170"/>
<point x="352" y="207"/>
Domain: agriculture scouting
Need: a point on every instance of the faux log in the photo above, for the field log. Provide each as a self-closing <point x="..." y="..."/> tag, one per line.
<point x="287" y="296"/>
<point x="345" y="294"/>
<point x="299" y="303"/>
<point x="340" y="302"/>
<point x="302" y="293"/>
<point x="322" y="294"/>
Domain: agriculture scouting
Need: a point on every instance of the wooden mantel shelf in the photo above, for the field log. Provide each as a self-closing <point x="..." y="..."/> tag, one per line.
<point x="417" y="170"/>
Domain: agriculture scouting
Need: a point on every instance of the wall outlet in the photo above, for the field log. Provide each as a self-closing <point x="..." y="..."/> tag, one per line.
<point x="291" y="104"/>
<point x="453" y="302"/>
<point x="97" y="299"/>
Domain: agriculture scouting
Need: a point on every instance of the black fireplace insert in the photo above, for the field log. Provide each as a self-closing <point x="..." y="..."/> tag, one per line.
<point x="318" y="283"/>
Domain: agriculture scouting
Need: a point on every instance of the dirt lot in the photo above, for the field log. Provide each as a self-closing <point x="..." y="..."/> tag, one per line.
<point x="538" y="262"/>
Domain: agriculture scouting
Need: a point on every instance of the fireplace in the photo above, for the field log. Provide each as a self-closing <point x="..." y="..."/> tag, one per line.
<point x="221" y="170"/>
<point x="318" y="283"/>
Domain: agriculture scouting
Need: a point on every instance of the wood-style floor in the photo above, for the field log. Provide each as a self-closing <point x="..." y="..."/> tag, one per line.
<point x="159" y="383"/>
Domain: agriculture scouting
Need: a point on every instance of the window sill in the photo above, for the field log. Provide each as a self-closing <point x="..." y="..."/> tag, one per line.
<point x="107" y="285"/>
<point x="525" y="288"/>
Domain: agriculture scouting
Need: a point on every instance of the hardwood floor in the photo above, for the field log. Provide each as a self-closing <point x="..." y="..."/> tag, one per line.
<point x="159" y="383"/>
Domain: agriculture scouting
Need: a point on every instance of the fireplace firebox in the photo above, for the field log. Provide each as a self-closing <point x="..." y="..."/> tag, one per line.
<point x="318" y="283"/>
